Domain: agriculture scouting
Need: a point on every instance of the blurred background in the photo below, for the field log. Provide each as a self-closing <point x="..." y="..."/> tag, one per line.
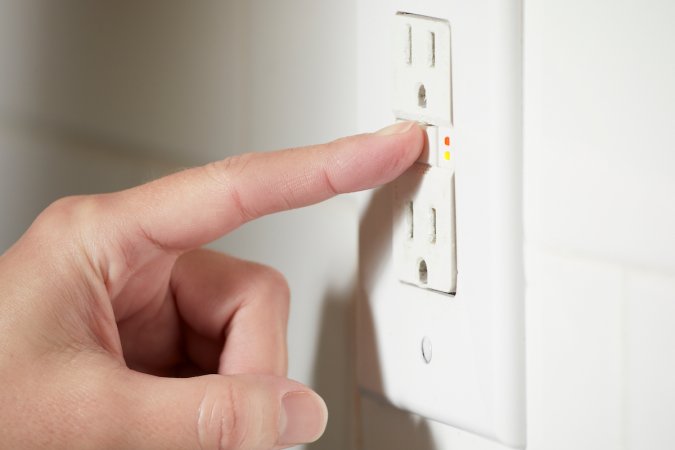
<point x="98" y="96"/>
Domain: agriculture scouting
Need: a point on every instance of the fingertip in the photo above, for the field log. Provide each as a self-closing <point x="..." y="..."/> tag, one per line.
<point x="303" y="419"/>
<point x="370" y="160"/>
<point x="409" y="136"/>
<point x="402" y="148"/>
<point x="415" y="141"/>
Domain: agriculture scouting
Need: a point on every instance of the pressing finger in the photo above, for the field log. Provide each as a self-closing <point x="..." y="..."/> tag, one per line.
<point x="194" y="207"/>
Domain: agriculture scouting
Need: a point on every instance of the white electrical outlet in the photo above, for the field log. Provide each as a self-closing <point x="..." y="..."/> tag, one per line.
<point x="422" y="83"/>
<point x="457" y="359"/>
<point x="423" y="243"/>
<point x="424" y="208"/>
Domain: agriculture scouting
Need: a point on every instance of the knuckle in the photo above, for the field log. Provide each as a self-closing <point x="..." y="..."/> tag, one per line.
<point x="71" y="204"/>
<point x="225" y="170"/>
<point x="271" y="282"/>
<point x="217" y="171"/>
<point x="66" y="212"/>
<point x="222" y="417"/>
<point x="224" y="173"/>
<point x="66" y="223"/>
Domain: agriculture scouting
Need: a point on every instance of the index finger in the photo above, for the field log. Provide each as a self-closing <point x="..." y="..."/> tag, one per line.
<point x="194" y="207"/>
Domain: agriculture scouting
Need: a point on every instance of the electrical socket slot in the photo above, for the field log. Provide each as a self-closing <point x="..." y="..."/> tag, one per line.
<point x="432" y="222"/>
<point x="410" y="213"/>
<point x="422" y="97"/>
<point x="432" y="45"/>
<point x="423" y="272"/>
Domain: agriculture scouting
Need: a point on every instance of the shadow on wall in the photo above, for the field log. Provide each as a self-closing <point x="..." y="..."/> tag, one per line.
<point x="379" y="426"/>
<point x="386" y="428"/>
<point x="334" y="376"/>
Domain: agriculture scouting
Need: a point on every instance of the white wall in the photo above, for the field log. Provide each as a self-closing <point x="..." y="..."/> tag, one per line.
<point x="600" y="223"/>
<point x="188" y="81"/>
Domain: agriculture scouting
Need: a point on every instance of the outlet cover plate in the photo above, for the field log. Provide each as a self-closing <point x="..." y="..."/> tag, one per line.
<point x="475" y="379"/>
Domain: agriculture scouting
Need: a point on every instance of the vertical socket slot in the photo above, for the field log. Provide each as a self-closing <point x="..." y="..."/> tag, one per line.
<point x="423" y="273"/>
<point x="409" y="220"/>
<point x="431" y="49"/>
<point x="408" y="45"/>
<point x="422" y="96"/>
<point x="432" y="225"/>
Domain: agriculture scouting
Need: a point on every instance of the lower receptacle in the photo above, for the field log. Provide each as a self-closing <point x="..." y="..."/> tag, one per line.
<point x="424" y="244"/>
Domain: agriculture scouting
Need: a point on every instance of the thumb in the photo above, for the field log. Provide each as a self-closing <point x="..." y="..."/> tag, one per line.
<point x="239" y="412"/>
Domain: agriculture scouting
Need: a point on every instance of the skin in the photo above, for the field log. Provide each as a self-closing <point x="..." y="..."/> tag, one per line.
<point x="118" y="331"/>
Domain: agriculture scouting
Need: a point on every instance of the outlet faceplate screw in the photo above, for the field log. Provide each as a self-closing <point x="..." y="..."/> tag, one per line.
<point x="426" y="349"/>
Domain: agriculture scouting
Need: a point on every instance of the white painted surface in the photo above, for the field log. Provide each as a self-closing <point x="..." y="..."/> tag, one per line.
<point x="600" y="126"/>
<point x="599" y="129"/>
<point x="575" y="353"/>
<point x="650" y="361"/>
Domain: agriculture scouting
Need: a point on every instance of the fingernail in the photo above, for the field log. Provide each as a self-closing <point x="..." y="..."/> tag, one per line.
<point x="397" y="128"/>
<point x="303" y="419"/>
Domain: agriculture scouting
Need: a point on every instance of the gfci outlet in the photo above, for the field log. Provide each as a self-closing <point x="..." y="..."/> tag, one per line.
<point x="441" y="319"/>
<point x="423" y="205"/>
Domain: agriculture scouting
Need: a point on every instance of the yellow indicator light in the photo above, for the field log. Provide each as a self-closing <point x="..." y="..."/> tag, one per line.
<point x="446" y="156"/>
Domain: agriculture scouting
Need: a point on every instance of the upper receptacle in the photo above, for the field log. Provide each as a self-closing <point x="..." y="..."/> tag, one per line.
<point x="422" y="80"/>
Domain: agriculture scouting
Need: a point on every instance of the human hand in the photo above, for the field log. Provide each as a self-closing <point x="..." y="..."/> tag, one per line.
<point x="107" y="304"/>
